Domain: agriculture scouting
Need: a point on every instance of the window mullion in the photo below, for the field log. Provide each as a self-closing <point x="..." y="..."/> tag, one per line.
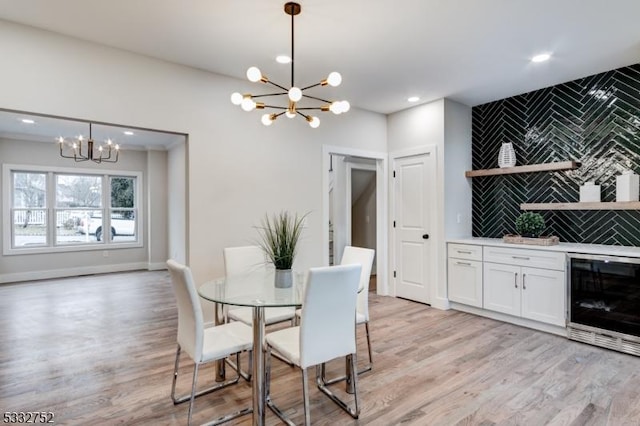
<point x="50" y="205"/>
<point x="106" y="209"/>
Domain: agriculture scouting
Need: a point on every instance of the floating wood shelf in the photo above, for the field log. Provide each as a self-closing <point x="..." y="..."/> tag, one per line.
<point x="622" y="205"/>
<point x="544" y="167"/>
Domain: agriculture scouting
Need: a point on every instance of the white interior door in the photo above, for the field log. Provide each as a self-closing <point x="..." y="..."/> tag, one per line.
<point x="414" y="198"/>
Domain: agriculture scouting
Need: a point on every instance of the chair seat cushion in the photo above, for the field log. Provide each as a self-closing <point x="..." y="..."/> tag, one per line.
<point x="286" y="342"/>
<point x="271" y="315"/>
<point x="223" y="340"/>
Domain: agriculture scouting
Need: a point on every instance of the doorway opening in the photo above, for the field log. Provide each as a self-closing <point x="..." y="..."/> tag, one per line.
<point x="354" y="207"/>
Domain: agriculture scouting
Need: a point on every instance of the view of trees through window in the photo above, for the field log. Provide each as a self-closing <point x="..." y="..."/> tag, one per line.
<point x="77" y="211"/>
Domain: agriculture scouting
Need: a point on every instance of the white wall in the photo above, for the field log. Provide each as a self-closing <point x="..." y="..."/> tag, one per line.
<point x="440" y="123"/>
<point x="177" y="202"/>
<point x="157" y="213"/>
<point x="237" y="169"/>
<point x="457" y="159"/>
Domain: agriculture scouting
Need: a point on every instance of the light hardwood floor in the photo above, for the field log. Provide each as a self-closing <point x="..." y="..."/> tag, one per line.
<point x="100" y="350"/>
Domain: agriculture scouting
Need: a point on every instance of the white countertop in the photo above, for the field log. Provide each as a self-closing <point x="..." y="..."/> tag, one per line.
<point x="562" y="247"/>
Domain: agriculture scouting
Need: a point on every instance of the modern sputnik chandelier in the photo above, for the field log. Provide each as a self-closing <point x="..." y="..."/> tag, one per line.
<point x="83" y="150"/>
<point x="294" y="93"/>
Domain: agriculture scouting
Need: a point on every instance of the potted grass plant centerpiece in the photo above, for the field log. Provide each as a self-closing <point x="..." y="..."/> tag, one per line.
<point x="279" y="236"/>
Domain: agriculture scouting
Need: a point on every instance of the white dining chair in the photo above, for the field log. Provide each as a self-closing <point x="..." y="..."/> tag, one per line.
<point x="242" y="260"/>
<point x="203" y="344"/>
<point x="364" y="257"/>
<point x="320" y="337"/>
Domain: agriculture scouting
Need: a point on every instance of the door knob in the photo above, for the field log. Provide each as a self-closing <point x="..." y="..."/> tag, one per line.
<point x="425" y="236"/>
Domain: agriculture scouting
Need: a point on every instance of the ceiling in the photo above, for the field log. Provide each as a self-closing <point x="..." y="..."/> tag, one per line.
<point x="47" y="129"/>
<point x="470" y="51"/>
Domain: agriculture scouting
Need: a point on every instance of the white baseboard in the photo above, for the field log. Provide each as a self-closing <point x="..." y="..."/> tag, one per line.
<point x="156" y="266"/>
<point x="524" y="322"/>
<point x="72" y="272"/>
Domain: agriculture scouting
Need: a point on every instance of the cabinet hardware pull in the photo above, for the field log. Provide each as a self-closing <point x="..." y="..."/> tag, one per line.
<point x="463" y="251"/>
<point x="524" y="287"/>
<point x="515" y="280"/>
<point x="521" y="257"/>
<point x="463" y="263"/>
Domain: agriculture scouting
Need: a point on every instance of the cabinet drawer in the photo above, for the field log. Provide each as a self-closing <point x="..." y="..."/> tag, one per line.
<point x="464" y="251"/>
<point x="523" y="257"/>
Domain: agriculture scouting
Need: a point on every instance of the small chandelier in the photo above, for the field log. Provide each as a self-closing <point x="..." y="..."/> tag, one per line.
<point x="81" y="150"/>
<point x="294" y="93"/>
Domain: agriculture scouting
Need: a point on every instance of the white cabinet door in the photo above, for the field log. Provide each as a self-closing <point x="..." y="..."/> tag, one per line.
<point x="502" y="288"/>
<point x="465" y="282"/>
<point x="543" y="295"/>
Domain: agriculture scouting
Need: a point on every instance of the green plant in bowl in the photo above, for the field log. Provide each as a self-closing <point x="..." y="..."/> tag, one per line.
<point x="530" y="224"/>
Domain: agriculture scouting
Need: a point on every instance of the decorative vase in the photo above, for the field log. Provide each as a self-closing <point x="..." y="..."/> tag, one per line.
<point x="283" y="278"/>
<point x="507" y="155"/>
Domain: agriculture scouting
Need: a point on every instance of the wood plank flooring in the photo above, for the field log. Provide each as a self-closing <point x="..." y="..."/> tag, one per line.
<point x="100" y="349"/>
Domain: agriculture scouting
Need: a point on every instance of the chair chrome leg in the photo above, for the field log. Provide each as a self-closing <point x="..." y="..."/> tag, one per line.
<point x="366" y="368"/>
<point x="246" y="375"/>
<point x="193" y="392"/>
<point x="354" y="377"/>
<point x="184" y="398"/>
<point x="273" y="407"/>
<point x="267" y="373"/>
<point x="305" y="397"/>
<point x="175" y="376"/>
<point x="370" y="366"/>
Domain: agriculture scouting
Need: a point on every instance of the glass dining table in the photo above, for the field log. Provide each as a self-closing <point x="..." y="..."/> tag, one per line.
<point x="256" y="290"/>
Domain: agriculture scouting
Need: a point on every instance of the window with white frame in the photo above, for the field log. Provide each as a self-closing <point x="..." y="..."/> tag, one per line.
<point x="68" y="209"/>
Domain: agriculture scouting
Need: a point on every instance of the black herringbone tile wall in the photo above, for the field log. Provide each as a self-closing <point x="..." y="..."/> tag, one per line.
<point x="594" y="120"/>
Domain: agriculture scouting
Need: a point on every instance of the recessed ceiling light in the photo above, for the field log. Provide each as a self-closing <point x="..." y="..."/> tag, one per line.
<point x="128" y="132"/>
<point x="27" y="121"/>
<point x="413" y="99"/>
<point x="283" y="59"/>
<point x="541" y="58"/>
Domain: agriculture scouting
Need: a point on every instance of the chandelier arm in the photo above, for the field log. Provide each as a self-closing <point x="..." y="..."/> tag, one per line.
<point x="313" y="85"/>
<point x="317" y="99"/>
<point x="65" y="156"/>
<point x="278" y="86"/>
<point x="107" y="159"/>
<point x="302" y="114"/>
<point x="276" y="107"/>
<point x="269" y="94"/>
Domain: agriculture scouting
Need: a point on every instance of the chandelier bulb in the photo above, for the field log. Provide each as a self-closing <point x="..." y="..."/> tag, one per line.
<point x="60" y="140"/>
<point x="117" y="147"/>
<point x="334" y="79"/>
<point x="254" y="75"/>
<point x="75" y="145"/>
<point x="236" y="98"/>
<point x="295" y="94"/>
<point x="290" y="114"/>
<point x="267" y="119"/>
<point x="336" y="107"/>
<point x="346" y="106"/>
<point x="247" y="104"/>
<point x="100" y="148"/>
<point x="314" y="122"/>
